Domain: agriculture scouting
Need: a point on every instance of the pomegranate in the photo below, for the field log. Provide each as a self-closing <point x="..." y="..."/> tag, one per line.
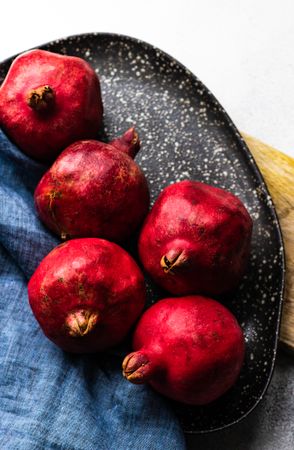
<point x="48" y="101"/>
<point x="196" y="239"/>
<point x="94" y="189"/>
<point x="190" y="349"/>
<point x="86" y="294"/>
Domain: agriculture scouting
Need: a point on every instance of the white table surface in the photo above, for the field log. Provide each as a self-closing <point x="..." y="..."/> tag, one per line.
<point x="243" y="50"/>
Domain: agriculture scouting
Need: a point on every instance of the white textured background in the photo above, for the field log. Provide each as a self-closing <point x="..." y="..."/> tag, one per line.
<point x="243" y="50"/>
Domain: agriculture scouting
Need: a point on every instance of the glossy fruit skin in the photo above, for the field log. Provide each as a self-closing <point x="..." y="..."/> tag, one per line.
<point x="93" y="190"/>
<point x="91" y="275"/>
<point x="190" y="349"/>
<point x="76" y="112"/>
<point x="196" y="239"/>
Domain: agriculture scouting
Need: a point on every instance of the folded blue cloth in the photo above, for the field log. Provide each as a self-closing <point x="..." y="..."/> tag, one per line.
<point x="50" y="399"/>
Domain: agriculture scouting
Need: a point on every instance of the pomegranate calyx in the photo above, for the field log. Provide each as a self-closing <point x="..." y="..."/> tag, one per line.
<point x="81" y="322"/>
<point x="172" y="260"/>
<point x="128" y="143"/>
<point x="41" y="99"/>
<point x="136" y="368"/>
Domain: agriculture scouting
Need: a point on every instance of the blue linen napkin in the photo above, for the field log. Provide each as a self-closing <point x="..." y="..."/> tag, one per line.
<point x="50" y="399"/>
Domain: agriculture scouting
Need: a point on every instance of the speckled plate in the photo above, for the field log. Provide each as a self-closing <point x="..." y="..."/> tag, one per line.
<point x="186" y="134"/>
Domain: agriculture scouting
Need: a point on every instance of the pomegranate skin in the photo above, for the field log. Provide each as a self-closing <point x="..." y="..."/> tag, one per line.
<point x="44" y="122"/>
<point x="196" y="239"/>
<point x="190" y="349"/>
<point x="86" y="294"/>
<point x="94" y="189"/>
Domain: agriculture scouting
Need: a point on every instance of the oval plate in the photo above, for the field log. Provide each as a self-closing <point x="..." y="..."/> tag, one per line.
<point x="186" y="134"/>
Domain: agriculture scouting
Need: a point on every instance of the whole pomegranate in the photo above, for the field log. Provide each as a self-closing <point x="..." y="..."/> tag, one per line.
<point x="190" y="349"/>
<point x="86" y="294"/>
<point x="94" y="189"/>
<point x="48" y="101"/>
<point x="196" y="239"/>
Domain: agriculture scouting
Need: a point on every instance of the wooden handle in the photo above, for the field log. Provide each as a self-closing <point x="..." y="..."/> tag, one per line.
<point x="278" y="172"/>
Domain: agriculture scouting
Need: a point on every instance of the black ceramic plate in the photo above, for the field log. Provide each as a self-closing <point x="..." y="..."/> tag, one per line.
<point x="186" y="134"/>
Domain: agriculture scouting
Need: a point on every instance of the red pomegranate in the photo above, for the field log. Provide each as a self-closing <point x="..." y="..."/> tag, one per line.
<point x="190" y="349"/>
<point x="94" y="190"/>
<point x="48" y="101"/>
<point x="86" y="294"/>
<point x="196" y="239"/>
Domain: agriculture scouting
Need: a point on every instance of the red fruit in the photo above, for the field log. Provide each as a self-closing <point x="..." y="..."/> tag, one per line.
<point x="48" y="101"/>
<point x="94" y="189"/>
<point x="190" y="349"/>
<point x="86" y="294"/>
<point x="196" y="239"/>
